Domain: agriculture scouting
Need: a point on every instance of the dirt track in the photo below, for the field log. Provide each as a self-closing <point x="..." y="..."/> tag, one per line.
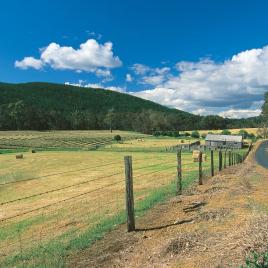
<point x="229" y="221"/>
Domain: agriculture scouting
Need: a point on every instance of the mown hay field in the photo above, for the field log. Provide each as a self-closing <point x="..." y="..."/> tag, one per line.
<point x="52" y="140"/>
<point x="54" y="203"/>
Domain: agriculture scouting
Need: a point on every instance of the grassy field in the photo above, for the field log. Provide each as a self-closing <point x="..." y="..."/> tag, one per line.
<point x="53" y="203"/>
<point x="61" y="140"/>
<point x="157" y="144"/>
<point x="233" y="131"/>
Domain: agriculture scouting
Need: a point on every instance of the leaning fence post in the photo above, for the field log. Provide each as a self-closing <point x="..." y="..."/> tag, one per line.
<point x="200" y="175"/>
<point x="179" y="169"/>
<point x="220" y="160"/>
<point x="212" y="162"/>
<point x="129" y="194"/>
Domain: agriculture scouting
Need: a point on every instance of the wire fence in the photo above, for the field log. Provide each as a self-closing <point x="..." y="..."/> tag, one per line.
<point x="42" y="227"/>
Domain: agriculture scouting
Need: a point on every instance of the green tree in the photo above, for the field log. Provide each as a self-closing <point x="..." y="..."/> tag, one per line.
<point x="195" y="134"/>
<point x="109" y="118"/>
<point x="16" y="113"/>
<point x="243" y="133"/>
<point x="226" y="132"/>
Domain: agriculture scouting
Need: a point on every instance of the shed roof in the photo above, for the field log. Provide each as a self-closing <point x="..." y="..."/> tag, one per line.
<point x="217" y="137"/>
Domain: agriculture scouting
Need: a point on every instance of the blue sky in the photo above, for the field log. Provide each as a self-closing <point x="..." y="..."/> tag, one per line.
<point x="206" y="57"/>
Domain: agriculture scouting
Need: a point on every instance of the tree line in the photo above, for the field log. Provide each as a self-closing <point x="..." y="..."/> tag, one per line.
<point x="19" y="116"/>
<point x="46" y="106"/>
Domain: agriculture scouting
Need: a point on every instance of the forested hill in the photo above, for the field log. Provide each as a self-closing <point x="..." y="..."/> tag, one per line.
<point x="44" y="106"/>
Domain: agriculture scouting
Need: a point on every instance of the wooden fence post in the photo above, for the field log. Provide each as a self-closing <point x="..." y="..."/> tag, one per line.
<point x="212" y="163"/>
<point x="200" y="175"/>
<point x="129" y="194"/>
<point x="229" y="158"/>
<point x="225" y="158"/>
<point x="179" y="170"/>
<point x="220" y="160"/>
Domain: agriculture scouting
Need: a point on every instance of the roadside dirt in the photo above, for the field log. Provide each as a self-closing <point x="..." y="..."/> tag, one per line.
<point x="214" y="225"/>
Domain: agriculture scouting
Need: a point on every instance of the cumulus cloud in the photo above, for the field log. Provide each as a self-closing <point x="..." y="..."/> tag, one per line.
<point x="232" y="88"/>
<point x="239" y="113"/>
<point x="82" y="83"/>
<point x="29" y="62"/>
<point x="153" y="80"/>
<point x="150" y="76"/>
<point x="89" y="57"/>
<point x="140" y="69"/>
<point x="103" y="73"/>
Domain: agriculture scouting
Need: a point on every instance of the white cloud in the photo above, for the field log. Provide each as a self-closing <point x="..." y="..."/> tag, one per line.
<point x="129" y="78"/>
<point x="82" y="83"/>
<point x="153" y="80"/>
<point x="161" y="71"/>
<point x="94" y="34"/>
<point x="103" y="73"/>
<point x="150" y="76"/>
<point x="89" y="57"/>
<point x="140" y="69"/>
<point x="29" y="62"/>
<point x="240" y="113"/>
<point x="118" y="89"/>
<point x="231" y="88"/>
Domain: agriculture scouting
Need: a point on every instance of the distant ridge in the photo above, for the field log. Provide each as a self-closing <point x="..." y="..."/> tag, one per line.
<point x="43" y="106"/>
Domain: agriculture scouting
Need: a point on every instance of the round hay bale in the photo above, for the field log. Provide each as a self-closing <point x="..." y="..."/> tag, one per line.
<point x="19" y="156"/>
<point x="33" y="151"/>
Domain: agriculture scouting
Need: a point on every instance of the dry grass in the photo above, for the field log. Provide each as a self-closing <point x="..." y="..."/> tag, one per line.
<point x="73" y="191"/>
<point x="233" y="131"/>
<point x="222" y="233"/>
<point x="150" y="143"/>
<point x="55" y="170"/>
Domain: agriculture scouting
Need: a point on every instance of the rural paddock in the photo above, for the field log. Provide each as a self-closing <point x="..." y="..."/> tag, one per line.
<point x="54" y="202"/>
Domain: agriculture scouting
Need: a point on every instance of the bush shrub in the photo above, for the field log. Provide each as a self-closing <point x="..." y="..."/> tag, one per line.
<point x="257" y="260"/>
<point x="117" y="138"/>
<point x="243" y="133"/>
<point x="226" y="132"/>
<point x="195" y="134"/>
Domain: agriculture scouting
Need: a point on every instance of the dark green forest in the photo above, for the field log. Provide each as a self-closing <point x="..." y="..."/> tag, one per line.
<point x="46" y="106"/>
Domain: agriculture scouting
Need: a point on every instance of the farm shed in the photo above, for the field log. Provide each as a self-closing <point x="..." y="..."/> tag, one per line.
<point x="224" y="141"/>
<point x="189" y="146"/>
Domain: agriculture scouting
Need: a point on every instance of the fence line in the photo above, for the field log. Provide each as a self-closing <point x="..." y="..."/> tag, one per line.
<point x="70" y="171"/>
<point x="235" y="159"/>
<point x="109" y="203"/>
<point x="56" y="203"/>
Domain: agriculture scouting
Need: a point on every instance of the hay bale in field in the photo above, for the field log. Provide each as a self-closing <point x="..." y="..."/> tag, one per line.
<point x="33" y="151"/>
<point x="19" y="156"/>
<point x="196" y="155"/>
